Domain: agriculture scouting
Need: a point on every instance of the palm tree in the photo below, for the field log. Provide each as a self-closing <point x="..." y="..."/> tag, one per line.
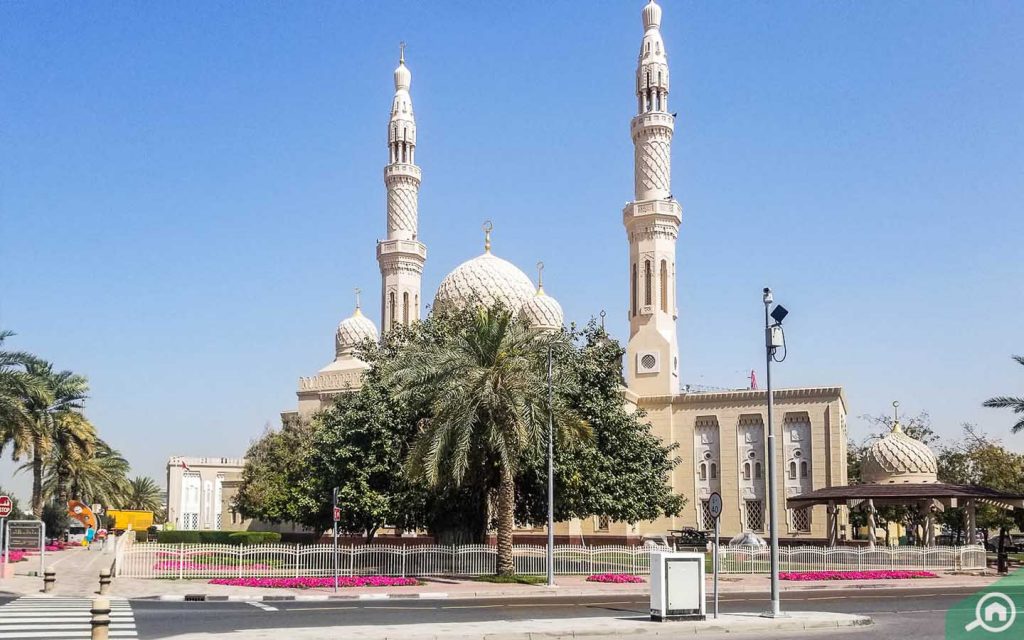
<point x="487" y="392"/>
<point x="1010" y="402"/>
<point x="55" y="419"/>
<point x="143" y="494"/>
<point x="101" y="477"/>
<point x="17" y="387"/>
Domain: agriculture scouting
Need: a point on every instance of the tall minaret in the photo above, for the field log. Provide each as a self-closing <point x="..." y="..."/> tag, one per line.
<point x="652" y="225"/>
<point x="401" y="256"/>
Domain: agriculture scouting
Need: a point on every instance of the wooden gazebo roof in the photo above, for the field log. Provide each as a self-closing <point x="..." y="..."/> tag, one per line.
<point x="890" y="493"/>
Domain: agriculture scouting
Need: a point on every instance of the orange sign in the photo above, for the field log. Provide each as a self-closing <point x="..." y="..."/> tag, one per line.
<point x="81" y="512"/>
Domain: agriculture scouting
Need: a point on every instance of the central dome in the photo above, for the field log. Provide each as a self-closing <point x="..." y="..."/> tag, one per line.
<point x="898" y="459"/>
<point x="484" y="280"/>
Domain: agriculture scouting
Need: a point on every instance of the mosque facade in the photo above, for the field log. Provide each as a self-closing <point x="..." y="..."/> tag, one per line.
<point x="721" y="434"/>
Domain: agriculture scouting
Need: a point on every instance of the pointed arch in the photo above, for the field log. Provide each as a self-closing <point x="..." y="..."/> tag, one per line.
<point x="647" y="282"/>
<point x="664" y="285"/>
<point x="633" y="289"/>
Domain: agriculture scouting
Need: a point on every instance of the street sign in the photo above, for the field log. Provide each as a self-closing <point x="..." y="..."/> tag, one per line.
<point x="6" y="506"/>
<point x="715" y="505"/>
<point x="337" y="514"/>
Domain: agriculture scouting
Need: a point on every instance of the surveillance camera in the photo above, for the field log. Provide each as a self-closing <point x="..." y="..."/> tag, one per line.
<point x="767" y="295"/>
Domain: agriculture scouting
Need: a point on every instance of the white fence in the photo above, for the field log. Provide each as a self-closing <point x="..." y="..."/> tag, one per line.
<point x="184" y="561"/>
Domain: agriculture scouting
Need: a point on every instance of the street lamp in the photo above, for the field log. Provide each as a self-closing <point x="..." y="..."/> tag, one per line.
<point x="551" y="478"/>
<point x="773" y="340"/>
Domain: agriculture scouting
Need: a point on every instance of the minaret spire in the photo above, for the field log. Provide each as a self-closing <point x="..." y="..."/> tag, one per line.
<point x="401" y="255"/>
<point x="652" y="224"/>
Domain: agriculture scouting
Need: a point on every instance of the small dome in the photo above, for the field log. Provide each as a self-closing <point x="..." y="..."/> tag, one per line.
<point x="403" y="77"/>
<point x="652" y="15"/>
<point x="484" y="280"/>
<point x="898" y="459"/>
<point x="352" y="331"/>
<point x="542" y="312"/>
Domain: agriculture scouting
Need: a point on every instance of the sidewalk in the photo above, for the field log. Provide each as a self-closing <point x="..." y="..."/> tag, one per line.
<point x="78" y="572"/>
<point x="596" y="628"/>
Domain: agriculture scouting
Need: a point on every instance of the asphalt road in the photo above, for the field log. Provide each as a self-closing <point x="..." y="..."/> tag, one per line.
<point x="909" y="614"/>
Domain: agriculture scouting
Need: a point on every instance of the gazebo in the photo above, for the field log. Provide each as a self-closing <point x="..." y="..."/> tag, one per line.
<point x="901" y="470"/>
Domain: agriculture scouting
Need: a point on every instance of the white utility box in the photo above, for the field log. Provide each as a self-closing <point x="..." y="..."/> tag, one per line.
<point x="677" y="586"/>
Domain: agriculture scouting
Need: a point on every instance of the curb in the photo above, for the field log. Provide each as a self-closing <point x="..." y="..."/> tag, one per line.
<point x="205" y="597"/>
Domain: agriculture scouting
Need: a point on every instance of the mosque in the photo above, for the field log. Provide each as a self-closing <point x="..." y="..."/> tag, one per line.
<point x="721" y="434"/>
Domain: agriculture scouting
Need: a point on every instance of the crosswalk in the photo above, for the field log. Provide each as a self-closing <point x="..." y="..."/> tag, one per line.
<point x="61" y="618"/>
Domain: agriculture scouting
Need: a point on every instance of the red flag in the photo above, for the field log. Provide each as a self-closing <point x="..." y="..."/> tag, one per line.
<point x="753" y="380"/>
<point x="184" y="466"/>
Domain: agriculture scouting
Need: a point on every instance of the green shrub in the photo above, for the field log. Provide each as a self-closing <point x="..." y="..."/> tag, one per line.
<point x="254" y="537"/>
<point x="141" y="536"/>
<point x="217" y="537"/>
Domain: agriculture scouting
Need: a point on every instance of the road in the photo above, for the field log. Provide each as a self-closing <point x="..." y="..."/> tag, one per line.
<point x="909" y="614"/>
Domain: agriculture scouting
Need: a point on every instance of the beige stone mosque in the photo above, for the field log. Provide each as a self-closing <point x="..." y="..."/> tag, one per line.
<point x="721" y="434"/>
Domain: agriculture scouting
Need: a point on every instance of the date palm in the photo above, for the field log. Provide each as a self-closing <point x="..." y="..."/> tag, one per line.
<point x="17" y="387"/>
<point x="1016" y="404"/>
<point x="56" y="418"/>
<point x="142" y="494"/>
<point x="488" y="398"/>
<point x="99" y="477"/>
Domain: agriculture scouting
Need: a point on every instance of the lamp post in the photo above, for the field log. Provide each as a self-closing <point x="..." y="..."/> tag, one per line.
<point x="551" y="479"/>
<point x="773" y="339"/>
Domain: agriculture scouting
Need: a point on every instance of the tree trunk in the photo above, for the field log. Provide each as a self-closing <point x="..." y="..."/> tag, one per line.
<point x="506" y="522"/>
<point x="37" y="479"/>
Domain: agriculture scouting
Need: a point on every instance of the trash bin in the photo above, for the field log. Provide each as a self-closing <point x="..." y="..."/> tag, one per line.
<point x="677" y="586"/>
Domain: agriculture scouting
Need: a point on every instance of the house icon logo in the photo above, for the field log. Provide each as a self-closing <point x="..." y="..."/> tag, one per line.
<point x="995" y="613"/>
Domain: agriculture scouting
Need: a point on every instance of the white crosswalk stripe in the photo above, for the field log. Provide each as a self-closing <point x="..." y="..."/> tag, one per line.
<point x="61" y="618"/>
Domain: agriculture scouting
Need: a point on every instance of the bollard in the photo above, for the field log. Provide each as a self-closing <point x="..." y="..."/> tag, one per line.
<point x="100" y="618"/>
<point x="104" y="582"/>
<point x="49" y="579"/>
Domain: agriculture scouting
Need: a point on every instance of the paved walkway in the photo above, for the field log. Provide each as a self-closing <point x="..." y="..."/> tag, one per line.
<point x="78" y="572"/>
<point x="42" y="616"/>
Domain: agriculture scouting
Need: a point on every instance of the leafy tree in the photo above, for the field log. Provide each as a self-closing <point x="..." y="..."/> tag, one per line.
<point x="16" y="512"/>
<point x="1015" y="403"/>
<point x="272" y="486"/>
<point x="487" y="392"/>
<point x="142" y="493"/>
<point x="55" y="519"/>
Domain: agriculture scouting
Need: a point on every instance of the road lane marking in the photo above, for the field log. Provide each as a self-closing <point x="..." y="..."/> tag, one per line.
<point x="260" y="605"/>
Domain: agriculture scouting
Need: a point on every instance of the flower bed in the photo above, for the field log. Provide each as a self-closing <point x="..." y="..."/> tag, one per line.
<point x="855" y="575"/>
<point x="616" y="578"/>
<point x="16" y="556"/>
<point x="312" y="583"/>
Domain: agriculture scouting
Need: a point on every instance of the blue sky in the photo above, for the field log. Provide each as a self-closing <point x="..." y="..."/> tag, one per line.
<point x="190" y="191"/>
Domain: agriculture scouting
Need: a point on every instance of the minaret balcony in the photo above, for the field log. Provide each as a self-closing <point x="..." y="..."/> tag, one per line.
<point x="403" y="170"/>
<point x="652" y="120"/>
<point x="413" y="249"/>
<point x="667" y="211"/>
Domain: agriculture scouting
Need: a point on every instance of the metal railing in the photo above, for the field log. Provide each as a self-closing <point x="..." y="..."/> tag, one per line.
<point x="185" y="561"/>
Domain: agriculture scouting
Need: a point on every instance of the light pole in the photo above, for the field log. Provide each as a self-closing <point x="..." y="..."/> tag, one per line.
<point x="551" y="479"/>
<point x="773" y="339"/>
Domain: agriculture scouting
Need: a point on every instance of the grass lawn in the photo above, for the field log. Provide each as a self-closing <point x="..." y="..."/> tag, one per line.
<point x="513" y="579"/>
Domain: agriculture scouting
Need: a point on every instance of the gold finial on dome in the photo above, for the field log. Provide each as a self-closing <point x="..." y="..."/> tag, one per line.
<point x="358" y="311"/>
<point x="488" y="226"/>
<point x="896" y="416"/>
<point x="540" y="277"/>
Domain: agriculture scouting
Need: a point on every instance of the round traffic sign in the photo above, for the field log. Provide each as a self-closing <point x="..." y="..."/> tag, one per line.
<point x="6" y="506"/>
<point x="715" y="505"/>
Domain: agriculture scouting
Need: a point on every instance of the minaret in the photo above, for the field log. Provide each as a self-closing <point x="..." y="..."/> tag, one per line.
<point x="401" y="255"/>
<point x="652" y="225"/>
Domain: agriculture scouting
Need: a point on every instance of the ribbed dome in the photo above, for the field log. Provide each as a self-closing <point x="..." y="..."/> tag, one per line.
<point x="484" y="280"/>
<point x="542" y="312"/>
<point x="898" y="459"/>
<point x="652" y="15"/>
<point x="352" y="331"/>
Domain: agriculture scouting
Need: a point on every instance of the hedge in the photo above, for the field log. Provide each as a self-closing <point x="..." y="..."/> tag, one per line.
<point x="217" y="537"/>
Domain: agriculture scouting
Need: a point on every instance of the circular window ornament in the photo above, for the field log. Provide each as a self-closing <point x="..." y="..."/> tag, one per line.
<point x="707" y="455"/>
<point x="648" y="361"/>
<point x="751" y="455"/>
<point x="797" y="453"/>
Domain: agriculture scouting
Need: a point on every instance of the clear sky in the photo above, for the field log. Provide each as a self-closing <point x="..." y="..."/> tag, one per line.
<point x="191" y="190"/>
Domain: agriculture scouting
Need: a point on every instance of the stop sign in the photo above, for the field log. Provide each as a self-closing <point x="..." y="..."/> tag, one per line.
<point x="337" y="514"/>
<point x="6" y="506"/>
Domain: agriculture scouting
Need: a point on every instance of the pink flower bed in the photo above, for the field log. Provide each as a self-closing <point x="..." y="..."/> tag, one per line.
<point x="854" y="575"/>
<point x="616" y="578"/>
<point x="174" y="565"/>
<point x="16" y="556"/>
<point x="312" y="583"/>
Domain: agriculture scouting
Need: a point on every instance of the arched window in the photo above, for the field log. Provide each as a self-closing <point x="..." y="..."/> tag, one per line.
<point x="703" y="471"/>
<point x="405" y="308"/>
<point x="746" y="471"/>
<point x="664" y="286"/>
<point x="757" y="470"/>
<point x="714" y="470"/>
<point x="803" y="469"/>
<point x="391" y="310"/>
<point x="416" y="309"/>
<point x="633" y="289"/>
<point x="647" y="282"/>
<point x="792" y="470"/>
